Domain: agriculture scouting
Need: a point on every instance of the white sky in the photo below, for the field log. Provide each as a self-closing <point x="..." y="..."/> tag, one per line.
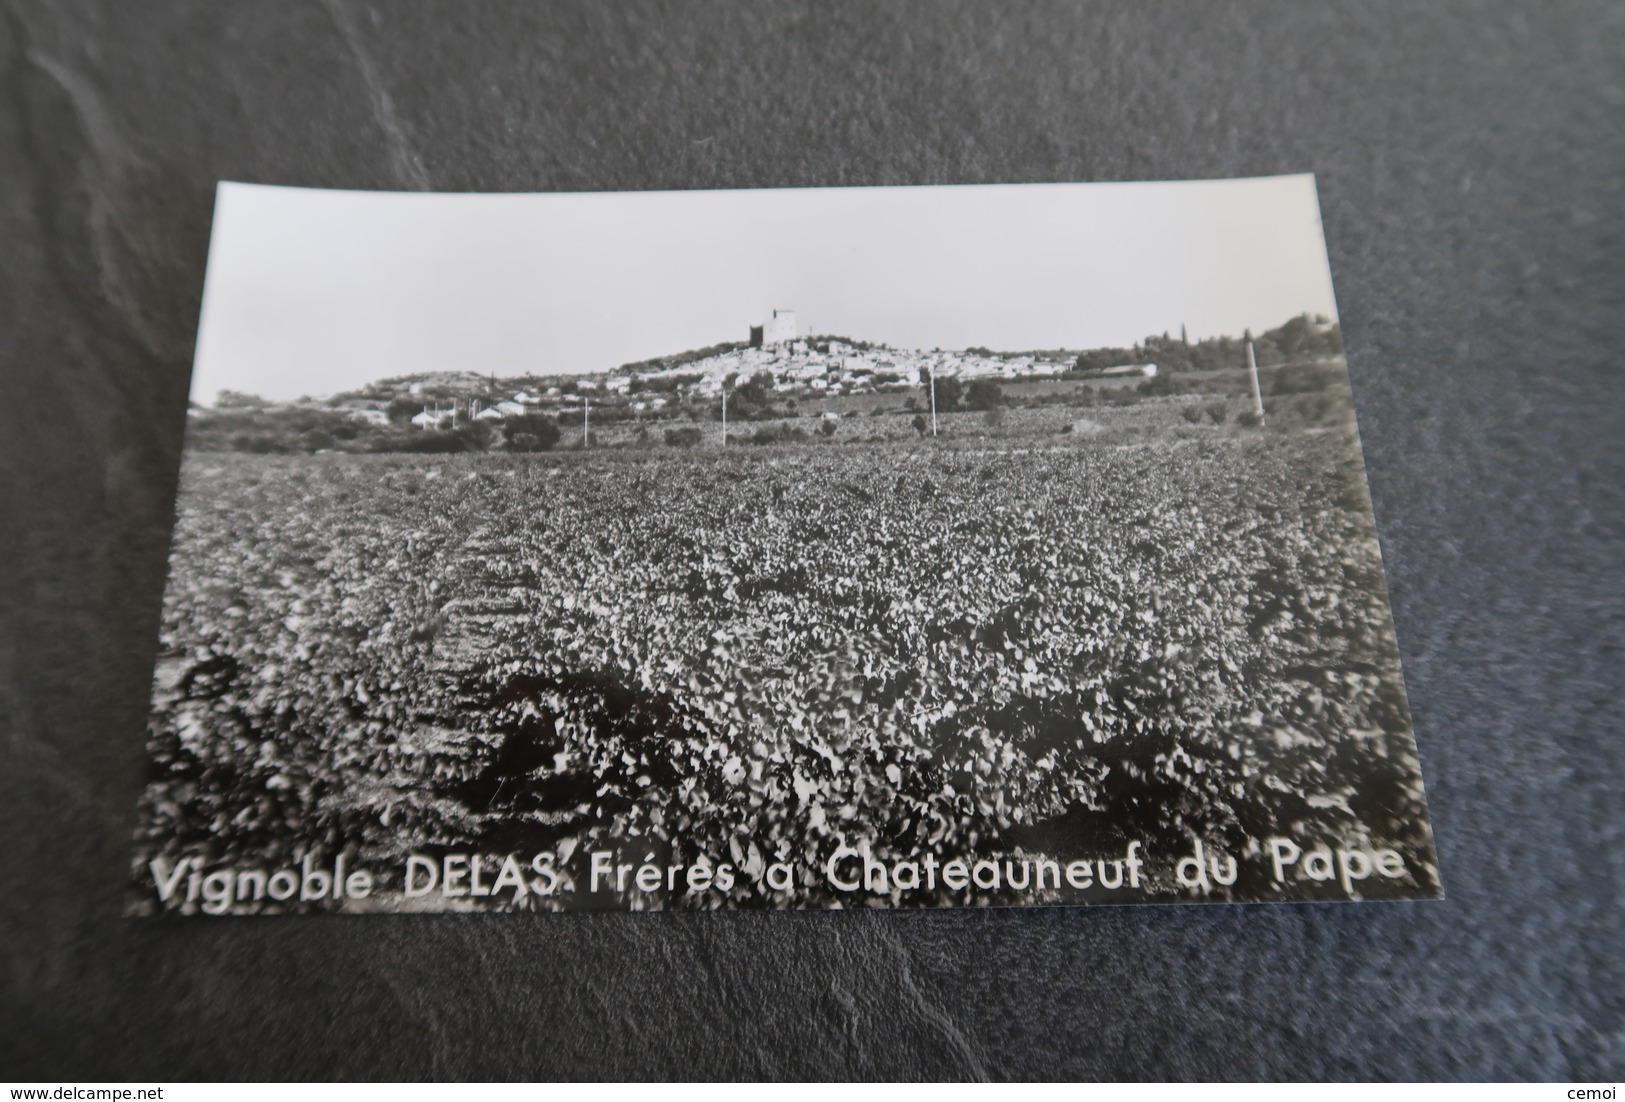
<point x="314" y="292"/>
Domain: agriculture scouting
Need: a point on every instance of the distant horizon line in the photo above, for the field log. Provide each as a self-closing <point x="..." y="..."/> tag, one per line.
<point x="633" y="366"/>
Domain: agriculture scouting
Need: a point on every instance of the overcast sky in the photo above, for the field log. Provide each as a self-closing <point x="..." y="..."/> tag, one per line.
<point x="315" y="292"/>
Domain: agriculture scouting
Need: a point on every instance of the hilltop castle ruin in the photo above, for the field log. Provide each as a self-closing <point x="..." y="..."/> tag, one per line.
<point x="778" y="329"/>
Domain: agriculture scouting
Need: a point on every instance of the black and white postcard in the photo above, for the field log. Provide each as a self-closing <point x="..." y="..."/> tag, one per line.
<point x="935" y="546"/>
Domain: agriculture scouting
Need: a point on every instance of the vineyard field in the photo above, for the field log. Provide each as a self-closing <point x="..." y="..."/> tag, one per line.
<point x="1043" y="645"/>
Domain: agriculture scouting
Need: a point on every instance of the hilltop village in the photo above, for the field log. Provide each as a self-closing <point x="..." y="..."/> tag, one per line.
<point x="777" y="365"/>
<point x="776" y="375"/>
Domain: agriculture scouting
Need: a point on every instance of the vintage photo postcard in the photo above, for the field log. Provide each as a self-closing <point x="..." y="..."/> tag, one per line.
<point x="935" y="546"/>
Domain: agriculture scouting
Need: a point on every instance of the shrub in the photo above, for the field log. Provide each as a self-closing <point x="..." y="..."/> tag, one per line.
<point x="984" y="394"/>
<point x="1308" y="379"/>
<point x="1159" y="386"/>
<point x="477" y="436"/>
<point x="432" y="442"/>
<point x="685" y="437"/>
<point x="1193" y="414"/>
<point x="774" y="434"/>
<point x="1316" y="409"/>
<point x="402" y="409"/>
<point x="755" y="390"/>
<point x="530" y="432"/>
<point x="256" y="444"/>
<point x="1216" y="412"/>
<point x="949" y="391"/>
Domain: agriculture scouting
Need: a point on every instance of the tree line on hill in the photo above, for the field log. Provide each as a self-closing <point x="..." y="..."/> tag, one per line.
<point x="1302" y="338"/>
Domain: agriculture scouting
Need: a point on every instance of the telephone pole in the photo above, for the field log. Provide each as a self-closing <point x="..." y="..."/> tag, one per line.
<point x="725" y="414"/>
<point x="931" y="370"/>
<point x="586" y="427"/>
<point x="1258" y="394"/>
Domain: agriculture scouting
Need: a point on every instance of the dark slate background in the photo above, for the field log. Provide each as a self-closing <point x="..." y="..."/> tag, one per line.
<point x="1470" y="160"/>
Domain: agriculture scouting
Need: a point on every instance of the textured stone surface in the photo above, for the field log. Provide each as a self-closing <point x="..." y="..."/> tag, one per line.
<point x="1470" y="159"/>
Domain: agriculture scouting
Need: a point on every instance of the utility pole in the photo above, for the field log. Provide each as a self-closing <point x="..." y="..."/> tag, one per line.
<point x="586" y="427"/>
<point x="932" y="371"/>
<point x="1258" y="395"/>
<point x="725" y="413"/>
